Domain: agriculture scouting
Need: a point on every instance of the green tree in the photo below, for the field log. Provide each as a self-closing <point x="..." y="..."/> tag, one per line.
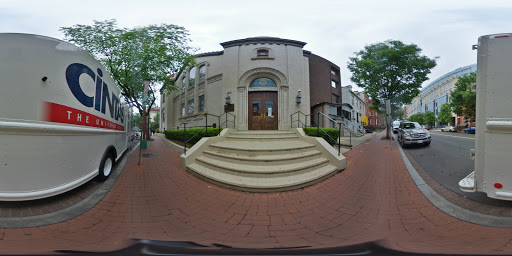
<point x="137" y="119"/>
<point x="134" y="55"/>
<point x="398" y="113"/>
<point x="390" y="70"/>
<point x="429" y="118"/>
<point x="463" y="100"/>
<point x="418" y="117"/>
<point x="445" y="114"/>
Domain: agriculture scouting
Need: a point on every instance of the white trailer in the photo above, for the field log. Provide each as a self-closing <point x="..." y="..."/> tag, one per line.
<point x="62" y="122"/>
<point x="493" y="145"/>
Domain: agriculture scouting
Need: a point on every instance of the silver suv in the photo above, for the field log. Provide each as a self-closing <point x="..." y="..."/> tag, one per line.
<point x="412" y="133"/>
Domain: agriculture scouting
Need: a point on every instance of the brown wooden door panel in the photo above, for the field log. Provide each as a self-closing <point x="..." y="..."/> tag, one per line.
<point x="263" y="111"/>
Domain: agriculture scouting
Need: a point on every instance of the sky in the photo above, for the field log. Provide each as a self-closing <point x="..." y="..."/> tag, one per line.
<point x="333" y="29"/>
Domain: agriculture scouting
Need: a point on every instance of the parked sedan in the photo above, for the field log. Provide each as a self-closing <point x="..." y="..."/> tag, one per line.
<point x="470" y="130"/>
<point x="448" y="128"/>
<point x="413" y="133"/>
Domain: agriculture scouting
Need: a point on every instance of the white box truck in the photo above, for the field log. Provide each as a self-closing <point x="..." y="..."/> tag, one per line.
<point x="493" y="145"/>
<point x="62" y="120"/>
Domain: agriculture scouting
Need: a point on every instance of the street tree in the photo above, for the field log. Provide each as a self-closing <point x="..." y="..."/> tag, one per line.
<point x="390" y="70"/>
<point x="397" y="114"/>
<point x="445" y="114"/>
<point x="463" y="100"/>
<point x="418" y="117"/>
<point x="133" y="55"/>
<point x="429" y="118"/>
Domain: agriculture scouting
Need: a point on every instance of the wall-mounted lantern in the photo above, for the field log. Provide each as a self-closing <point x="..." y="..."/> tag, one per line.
<point x="228" y="99"/>
<point x="299" y="98"/>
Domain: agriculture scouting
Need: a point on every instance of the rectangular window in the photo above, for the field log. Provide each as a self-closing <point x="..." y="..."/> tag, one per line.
<point x="182" y="109"/>
<point x="201" y="103"/>
<point x="333" y="84"/>
<point x="191" y="107"/>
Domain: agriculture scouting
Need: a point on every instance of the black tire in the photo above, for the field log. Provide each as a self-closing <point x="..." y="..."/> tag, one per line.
<point x="106" y="166"/>
<point x="402" y="144"/>
<point x="442" y="130"/>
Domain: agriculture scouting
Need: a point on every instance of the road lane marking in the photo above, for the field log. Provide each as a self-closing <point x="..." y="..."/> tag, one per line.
<point x="452" y="136"/>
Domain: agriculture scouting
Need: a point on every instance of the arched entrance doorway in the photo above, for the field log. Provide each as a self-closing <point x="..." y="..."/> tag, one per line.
<point x="263" y="108"/>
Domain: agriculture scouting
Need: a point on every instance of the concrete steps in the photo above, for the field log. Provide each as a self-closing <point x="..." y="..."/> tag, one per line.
<point x="262" y="161"/>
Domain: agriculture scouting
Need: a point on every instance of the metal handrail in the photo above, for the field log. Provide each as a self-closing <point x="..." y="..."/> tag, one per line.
<point x="304" y="124"/>
<point x="315" y="124"/>
<point x="205" y="126"/>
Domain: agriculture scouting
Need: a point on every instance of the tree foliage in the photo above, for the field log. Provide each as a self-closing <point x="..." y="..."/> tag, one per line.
<point x="418" y="117"/>
<point x="132" y="55"/>
<point x="445" y="114"/>
<point x="398" y="113"/>
<point x="390" y="70"/>
<point x="463" y="100"/>
<point x="429" y="118"/>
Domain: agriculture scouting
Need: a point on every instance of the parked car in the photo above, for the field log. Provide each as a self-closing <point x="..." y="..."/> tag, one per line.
<point x="470" y="130"/>
<point x="413" y="133"/>
<point x="396" y="124"/>
<point x="449" y="128"/>
<point x="369" y="129"/>
<point x="137" y="132"/>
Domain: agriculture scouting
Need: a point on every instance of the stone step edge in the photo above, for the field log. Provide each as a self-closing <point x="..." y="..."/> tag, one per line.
<point x="269" y="137"/>
<point x="252" y="169"/>
<point x="210" y="175"/>
<point x="265" y="158"/>
<point x="263" y="149"/>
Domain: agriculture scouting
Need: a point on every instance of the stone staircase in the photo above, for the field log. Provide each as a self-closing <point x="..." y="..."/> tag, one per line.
<point x="263" y="161"/>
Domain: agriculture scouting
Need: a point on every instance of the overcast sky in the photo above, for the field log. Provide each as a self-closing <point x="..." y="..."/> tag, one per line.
<point x="333" y="29"/>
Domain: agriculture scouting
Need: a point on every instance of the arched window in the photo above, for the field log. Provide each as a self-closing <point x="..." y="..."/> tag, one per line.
<point x="192" y="77"/>
<point x="183" y="86"/>
<point x="263" y="82"/>
<point x="202" y="73"/>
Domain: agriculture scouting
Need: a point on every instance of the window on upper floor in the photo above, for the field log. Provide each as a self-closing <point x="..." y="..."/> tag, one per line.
<point x="262" y="53"/>
<point x="334" y="84"/>
<point x="192" y="77"/>
<point x="182" y="109"/>
<point x="183" y="85"/>
<point x="202" y="73"/>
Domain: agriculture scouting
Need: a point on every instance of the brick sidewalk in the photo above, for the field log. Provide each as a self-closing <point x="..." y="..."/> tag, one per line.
<point x="374" y="199"/>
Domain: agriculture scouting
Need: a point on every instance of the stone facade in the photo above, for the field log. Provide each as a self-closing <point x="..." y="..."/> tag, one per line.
<point x="281" y="66"/>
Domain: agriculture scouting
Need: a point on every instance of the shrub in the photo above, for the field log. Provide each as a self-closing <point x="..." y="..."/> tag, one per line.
<point x="323" y="132"/>
<point x="198" y="132"/>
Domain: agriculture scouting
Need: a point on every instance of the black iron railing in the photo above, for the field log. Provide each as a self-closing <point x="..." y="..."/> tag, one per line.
<point x="300" y="123"/>
<point x="320" y="119"/>
<point x="205" y="126"/>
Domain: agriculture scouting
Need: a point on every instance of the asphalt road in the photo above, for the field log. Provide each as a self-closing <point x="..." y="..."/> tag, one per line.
<point x="447" y="161"/>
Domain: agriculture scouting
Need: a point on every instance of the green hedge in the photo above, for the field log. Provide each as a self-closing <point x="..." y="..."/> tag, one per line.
<point x="180" y="135"/>
<point x="334" y="133"/>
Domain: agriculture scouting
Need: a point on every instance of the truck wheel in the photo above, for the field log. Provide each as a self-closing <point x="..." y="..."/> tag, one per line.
<point x="106" y="166"/>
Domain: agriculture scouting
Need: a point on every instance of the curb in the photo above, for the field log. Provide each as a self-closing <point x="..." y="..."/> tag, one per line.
<point x="447" y="206"/>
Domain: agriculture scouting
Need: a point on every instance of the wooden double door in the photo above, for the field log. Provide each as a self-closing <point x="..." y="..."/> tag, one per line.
<point x="263" y="111"/>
